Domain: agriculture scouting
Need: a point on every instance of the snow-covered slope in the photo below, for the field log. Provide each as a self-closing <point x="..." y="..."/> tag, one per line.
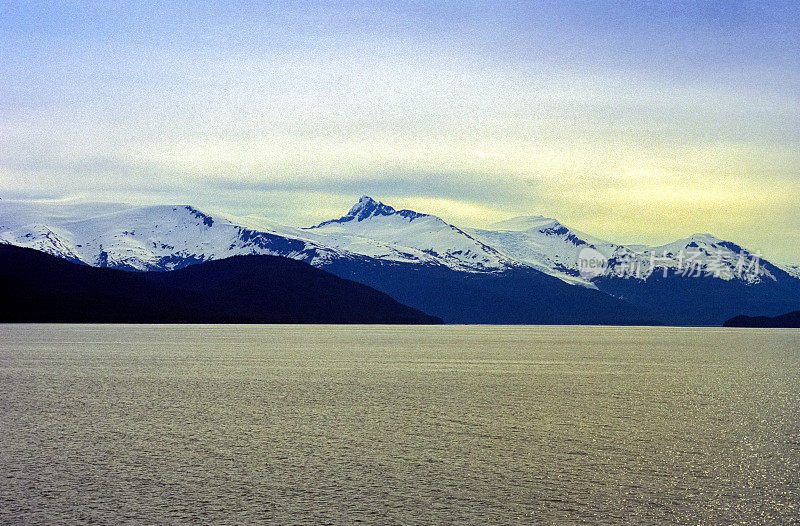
<point x="555" y="249"/>
<point x="142" y="238"/>
<point x="697" y="255"/>
<point x="377" y="230"/>
<point x="167" y="237"/>
<point x="544" y="244"/>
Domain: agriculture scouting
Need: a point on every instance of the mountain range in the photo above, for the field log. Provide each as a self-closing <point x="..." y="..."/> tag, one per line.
<point x="523" y="270"/>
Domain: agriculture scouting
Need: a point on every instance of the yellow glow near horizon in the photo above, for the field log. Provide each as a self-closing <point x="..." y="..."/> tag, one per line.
<point x="613" y="153"/>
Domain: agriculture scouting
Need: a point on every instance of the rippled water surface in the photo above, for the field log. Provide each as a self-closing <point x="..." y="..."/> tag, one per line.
<point x="288" y="424"/>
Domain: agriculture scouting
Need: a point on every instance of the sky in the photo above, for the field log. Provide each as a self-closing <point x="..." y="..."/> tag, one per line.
<point x="637" y="122"/>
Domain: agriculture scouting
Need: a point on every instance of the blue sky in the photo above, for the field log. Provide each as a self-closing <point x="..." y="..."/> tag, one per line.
<point x="634" y="121"/>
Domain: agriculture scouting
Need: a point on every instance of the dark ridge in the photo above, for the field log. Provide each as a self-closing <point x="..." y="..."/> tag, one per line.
<point x="790" y="320"/>
<point x="265" y="240"/>
<point x="38" y="287"/>
<point x="704" y="300"/>
<point x="731" y="246"/>
<point x="205" y="218"/>
<point x="516" y="296"/>
<point x="560" y="230"/>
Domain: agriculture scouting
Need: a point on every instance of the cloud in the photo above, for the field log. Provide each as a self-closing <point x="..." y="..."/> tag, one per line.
<point x="459" y="109"/>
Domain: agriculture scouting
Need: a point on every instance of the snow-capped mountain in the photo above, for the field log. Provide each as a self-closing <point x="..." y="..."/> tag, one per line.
<point x="143" y="238"/>
<point x="374" y="229"/>
<point x="544" y="244"/>
<point x="553" y="248"/>
<point x="698" y="255"/>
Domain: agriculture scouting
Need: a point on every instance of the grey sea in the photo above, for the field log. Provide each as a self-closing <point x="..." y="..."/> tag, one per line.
<point x="398" y="425"/>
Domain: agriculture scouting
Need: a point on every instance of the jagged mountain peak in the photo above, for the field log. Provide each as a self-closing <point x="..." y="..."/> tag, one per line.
<point x="367" y="208"/>
<point x="379" y="230"/>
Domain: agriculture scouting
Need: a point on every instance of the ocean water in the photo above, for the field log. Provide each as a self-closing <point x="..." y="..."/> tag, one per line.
<point x="398" y="425"/>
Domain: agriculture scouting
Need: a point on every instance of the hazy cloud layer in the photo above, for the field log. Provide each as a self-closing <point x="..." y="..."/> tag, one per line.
<point x="634" y="124"/>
